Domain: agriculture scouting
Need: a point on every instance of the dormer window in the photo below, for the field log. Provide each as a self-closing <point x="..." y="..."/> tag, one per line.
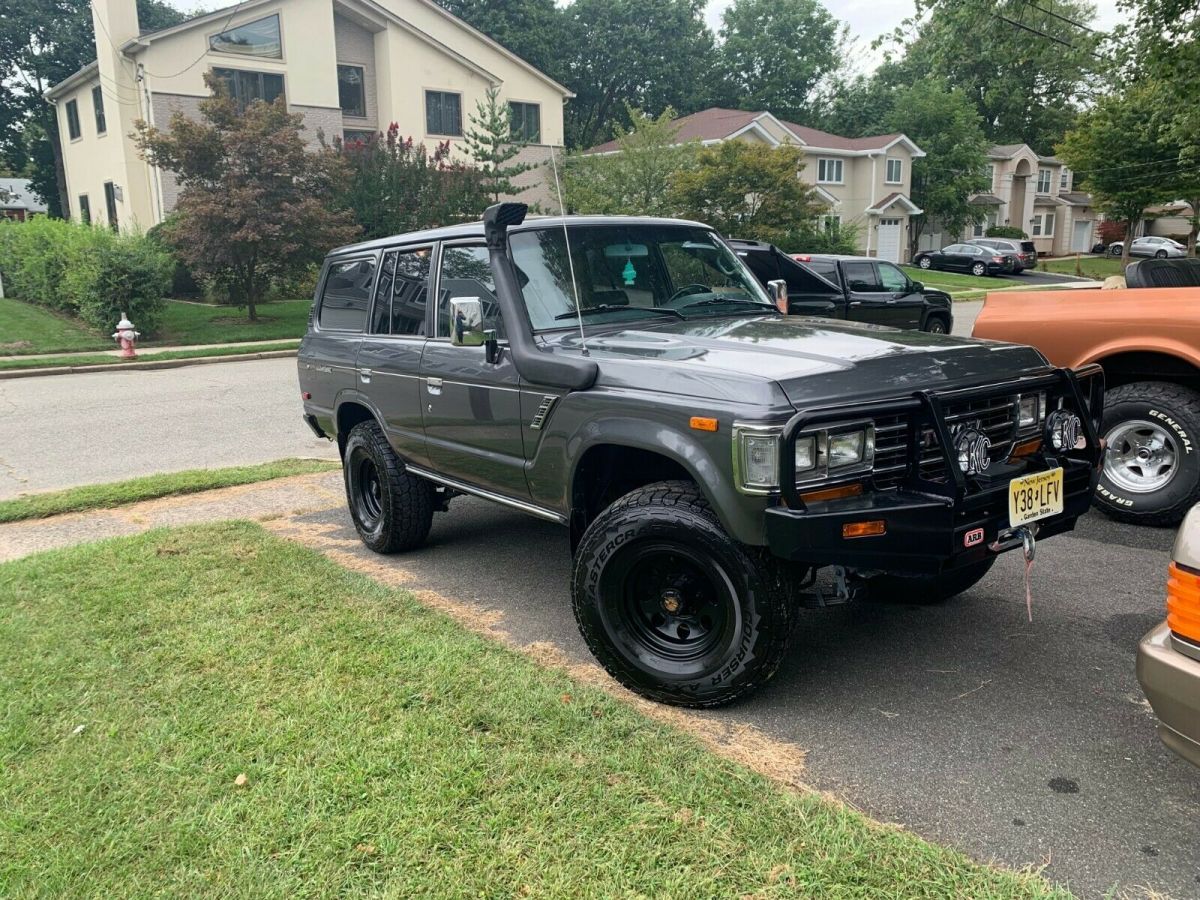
<point x="257" y="38"/>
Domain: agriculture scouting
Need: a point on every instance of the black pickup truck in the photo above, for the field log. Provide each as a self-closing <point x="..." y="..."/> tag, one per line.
<point x="858" y="288"/>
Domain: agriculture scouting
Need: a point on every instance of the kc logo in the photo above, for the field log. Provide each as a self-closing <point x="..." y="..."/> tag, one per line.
<point x="973" y="449"/>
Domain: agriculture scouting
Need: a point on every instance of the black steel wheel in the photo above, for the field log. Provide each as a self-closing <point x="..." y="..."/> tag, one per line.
<point x="672" y="606"/>
<point x="392" y="509"/>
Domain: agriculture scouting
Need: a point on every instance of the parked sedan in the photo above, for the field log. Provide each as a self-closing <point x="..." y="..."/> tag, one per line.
<point x="968" y="258"/>
<point x="1158" y="247"/>
<point x="1168" y="659"/>
<point x="1024" y="252"/>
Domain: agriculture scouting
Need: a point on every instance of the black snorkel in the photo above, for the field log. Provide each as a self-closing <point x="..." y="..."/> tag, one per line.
<point x="573" y="373"/>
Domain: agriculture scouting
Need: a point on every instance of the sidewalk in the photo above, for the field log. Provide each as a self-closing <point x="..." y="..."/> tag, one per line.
<point x="169" y="348"/>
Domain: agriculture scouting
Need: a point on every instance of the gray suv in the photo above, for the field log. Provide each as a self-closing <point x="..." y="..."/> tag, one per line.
<point x="1024" y="252"/>
<point x="630" y="380"/>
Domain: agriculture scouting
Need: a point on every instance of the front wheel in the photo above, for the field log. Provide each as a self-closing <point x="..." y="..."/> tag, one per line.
<point x="979" y="270"/>
<point x="672" y="607"/>
<point x="924" y="262"/>
<point x="926" y="590"/>
<point x="935" y="325"/>
<point x="1114" y="251"/>
<point x="1151" y="472"/>
<point x="1161" y="254"/>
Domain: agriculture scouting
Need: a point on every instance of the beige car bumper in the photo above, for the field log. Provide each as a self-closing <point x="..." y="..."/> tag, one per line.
<point x="1171" y="682"/>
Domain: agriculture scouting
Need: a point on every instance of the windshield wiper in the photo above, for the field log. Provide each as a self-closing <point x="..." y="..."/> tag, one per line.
<point x="714" y="301"/>
<point x="610" y="307"/>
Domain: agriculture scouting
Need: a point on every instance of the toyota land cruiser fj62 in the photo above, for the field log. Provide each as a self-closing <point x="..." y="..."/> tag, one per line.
<point x="629" y="379"/>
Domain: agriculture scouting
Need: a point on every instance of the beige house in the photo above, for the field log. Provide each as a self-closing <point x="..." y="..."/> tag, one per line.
<point x="864" y="182"/>
<point x="349" y="66"/>
<point x="1035" y="193"/>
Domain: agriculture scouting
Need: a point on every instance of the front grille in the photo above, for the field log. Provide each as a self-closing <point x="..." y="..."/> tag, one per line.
<point x="995" y="416"/>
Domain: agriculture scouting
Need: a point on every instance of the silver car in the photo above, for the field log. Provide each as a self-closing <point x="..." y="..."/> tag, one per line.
<point x="1159" y="247"/>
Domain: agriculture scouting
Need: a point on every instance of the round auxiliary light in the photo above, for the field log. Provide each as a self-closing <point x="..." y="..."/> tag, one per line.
<point x="1064" y="430"/>
<point x="973" y="449"/>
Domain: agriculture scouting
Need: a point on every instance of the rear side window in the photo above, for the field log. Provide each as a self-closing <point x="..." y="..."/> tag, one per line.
<point x="400" y="298"/>
<point x="827" y="268"/>
<point x="347" y="295"/>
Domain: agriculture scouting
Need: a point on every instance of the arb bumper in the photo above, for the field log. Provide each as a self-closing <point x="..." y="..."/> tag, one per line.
<point x="1170" y="678"/>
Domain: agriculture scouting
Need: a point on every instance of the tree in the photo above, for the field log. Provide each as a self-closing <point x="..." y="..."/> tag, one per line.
<point x="532" y="29"/>
<point x="41" y="43"/>
<point x="636" y="180"/>
<point x="1027" y="86"/>
<point x="490" y="144"/>
<point x="644" y="54"/>
<point x="395" y="185"/>
<point x="946" y="126"/>
<point x="746" y="190"/>
<point x="776" y="54"/>
<point x="1115" y="149"/>
<point x="256" y="206"/>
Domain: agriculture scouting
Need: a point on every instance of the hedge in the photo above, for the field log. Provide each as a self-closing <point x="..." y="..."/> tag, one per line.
<point x="85" y="271"/>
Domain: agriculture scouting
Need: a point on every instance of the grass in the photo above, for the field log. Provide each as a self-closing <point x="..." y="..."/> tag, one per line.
<point x="385" y="751"/>
<point x="1096" y="267"/>
<point x="103" y="496"/>
<point x="959" y="287"/>
<point x="25" y="328"/>
<point x="99" y="359"/>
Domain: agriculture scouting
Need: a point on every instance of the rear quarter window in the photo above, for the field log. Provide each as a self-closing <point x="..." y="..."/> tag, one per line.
<point x="826" y="268"/>
<point x="346" y="295"/>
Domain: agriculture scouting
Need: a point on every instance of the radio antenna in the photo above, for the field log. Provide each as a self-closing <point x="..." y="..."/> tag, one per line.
<point x="562" y="212"/>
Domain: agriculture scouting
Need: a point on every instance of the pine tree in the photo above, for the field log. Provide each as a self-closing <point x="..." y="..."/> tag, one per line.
<point x="490" y="144"/>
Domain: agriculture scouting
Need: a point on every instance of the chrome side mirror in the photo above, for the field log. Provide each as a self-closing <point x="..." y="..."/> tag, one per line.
<point x="777" y="290"/>
<point x="466" y="322"/>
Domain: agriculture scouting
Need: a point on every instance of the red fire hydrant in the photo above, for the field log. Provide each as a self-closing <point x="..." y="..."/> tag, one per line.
<point x="125" y="336"/>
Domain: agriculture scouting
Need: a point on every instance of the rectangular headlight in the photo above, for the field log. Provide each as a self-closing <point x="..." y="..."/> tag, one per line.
<point x="847" y="449"/>
<point x="1032" y="409"/>
<point x="759" y="454"/>
<point x="807" y="455"/>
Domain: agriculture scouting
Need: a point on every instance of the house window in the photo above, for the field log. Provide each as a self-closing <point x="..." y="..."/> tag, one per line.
<point x="73" y="120"/>
<point x="829" y="171"/>
<point x="1064" y="179"/>
<point x="246" y="87"/>
<point x="351" y="92"/>
<point x="979" y="229"/>
<point x="85" y="210"/>
<point x="525" y="122"/>
<point x="356" y="137"/>
<point x="830" y="223"/>
<point x="895" y="171"/>
<point x="1044" y="179"/>
<point x="990" y="172"/>
<point x="110" y="204"/>
<point x="98" y="107"/>
<point x="257" y="38"/>
<point x="443" y="113"/>
<point x="1043" y="225"/>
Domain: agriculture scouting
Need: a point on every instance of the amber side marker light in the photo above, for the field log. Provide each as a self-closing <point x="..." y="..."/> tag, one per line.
<point x="1183" y="602"/>
<point x="833" y="493"/>
<point x="864" y="529"/>
<point x="1026" y="448"/>
<point x="703" y="423"/>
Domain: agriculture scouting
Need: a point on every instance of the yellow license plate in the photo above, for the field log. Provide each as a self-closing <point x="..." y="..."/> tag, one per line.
<point x="1036" y="496"/>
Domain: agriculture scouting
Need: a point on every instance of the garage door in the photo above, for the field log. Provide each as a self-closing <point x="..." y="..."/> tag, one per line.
<point x="889" y="240"/>
<point x="1081" y="238"/>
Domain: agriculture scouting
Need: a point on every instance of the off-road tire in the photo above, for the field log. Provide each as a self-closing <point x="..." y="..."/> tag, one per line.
<point x="926" y="590"/>
<point x="1176" y="409"/>
<point x="937" y="325"/>
<point x="978" y="270"/>
<point x="666" y="521"/>
<point x="401" y="513"/>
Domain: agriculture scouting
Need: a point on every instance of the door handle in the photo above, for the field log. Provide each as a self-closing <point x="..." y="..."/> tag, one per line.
<point x="433" y="385"/>
<point x="891" y="302"/>
<point x="364" y="375"/>
<point x="856" y="303"/>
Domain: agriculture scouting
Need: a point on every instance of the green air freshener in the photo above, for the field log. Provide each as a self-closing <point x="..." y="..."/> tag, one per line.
<point x="629" y="273"/>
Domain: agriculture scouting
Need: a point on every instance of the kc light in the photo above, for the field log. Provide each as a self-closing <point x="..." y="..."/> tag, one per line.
<point x="1032" y="409"/>
<point x="1064" y="431"/>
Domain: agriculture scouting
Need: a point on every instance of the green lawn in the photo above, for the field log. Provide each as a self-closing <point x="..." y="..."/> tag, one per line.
<point x="25" y="328"/>
<point x="97" y="359"/>
<point x="213" y="711"/>
<point x="1097" y="267"/>
<point x="102" y="496"/>
<point x="960" y="287"/>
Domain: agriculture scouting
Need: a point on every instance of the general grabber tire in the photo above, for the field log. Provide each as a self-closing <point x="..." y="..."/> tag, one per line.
<point x="1151" y="472"/>
<point x="926" y="590"/>
<point x="673" y="607"/>
<point x="391" y="508"/>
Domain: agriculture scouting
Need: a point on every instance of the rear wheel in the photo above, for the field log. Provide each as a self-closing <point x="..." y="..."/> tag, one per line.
<point x="391" y="508"/>
<point x="979" y="269"/>
<point x="924" y="262"/>
<point x="926" y="590"/>
<point x="1151" y="472"/>
<point x="671" y="606"/>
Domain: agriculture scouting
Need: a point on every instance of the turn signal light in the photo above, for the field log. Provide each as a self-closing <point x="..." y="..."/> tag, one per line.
<point x="872" y="528"/>
<point x="1183" y="602"/>
<point x="702" y="423"/>
<point x="833" y="493"/>
<point x="1026" y="448"/>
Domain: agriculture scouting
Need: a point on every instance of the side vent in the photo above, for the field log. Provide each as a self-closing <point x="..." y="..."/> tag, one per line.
<point x="543" y="410"/>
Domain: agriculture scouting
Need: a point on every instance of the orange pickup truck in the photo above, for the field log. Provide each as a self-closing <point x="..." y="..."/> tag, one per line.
<point x="1147" y="339"/>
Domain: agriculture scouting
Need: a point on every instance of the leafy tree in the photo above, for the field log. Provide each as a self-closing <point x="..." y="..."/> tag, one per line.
<point x="1027" y="87"/>
<point x="255" y="204"/>
<point x="775" y="54"/>
<point x="645" y="54"/>
<point x="41" y="43"/>
<point x="490" y="144"/>
<point x="636" y="180"/>
<point x="858" y="106"/>
<point x="532" y="29"/>
<point x="946" y="126"/>
<point x="746" y="190"/>
<point x="395" y="185"/>
<point x="1114" y="148"/>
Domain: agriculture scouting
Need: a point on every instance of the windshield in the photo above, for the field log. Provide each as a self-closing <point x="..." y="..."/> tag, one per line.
<point x="628" y="272"/>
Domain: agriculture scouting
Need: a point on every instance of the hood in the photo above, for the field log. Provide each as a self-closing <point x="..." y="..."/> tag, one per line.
<point x="811" y="359"/>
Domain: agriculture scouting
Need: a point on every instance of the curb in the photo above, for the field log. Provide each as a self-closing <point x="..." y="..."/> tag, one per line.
<point x="142" y="366"/>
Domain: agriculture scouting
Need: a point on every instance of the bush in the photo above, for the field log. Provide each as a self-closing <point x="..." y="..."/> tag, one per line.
<point x="87" y="272"/>
<point x="814" y="239"/>
<point x="1006" y="231"/>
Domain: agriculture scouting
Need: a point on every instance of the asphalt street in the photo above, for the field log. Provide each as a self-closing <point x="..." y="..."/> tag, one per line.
<point x="1032" y="276"/>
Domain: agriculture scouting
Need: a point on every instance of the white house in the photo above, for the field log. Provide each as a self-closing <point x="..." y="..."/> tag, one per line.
<point x="349" y="66"/>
